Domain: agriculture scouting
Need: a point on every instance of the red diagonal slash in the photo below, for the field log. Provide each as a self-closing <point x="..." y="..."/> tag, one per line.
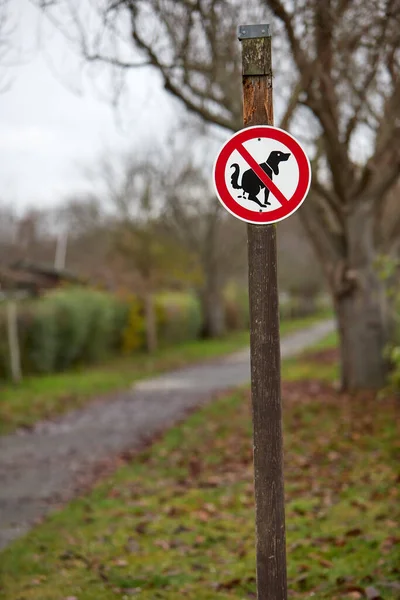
<point x="261" y="174"/>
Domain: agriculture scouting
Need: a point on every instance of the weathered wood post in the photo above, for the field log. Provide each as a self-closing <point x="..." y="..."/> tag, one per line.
<point x="13" y="341"/>
<point x="264" y="341"/>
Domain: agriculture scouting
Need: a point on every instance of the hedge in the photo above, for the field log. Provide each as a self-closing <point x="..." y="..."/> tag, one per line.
<point x="78" y="326"/>
<point x="179" y="318"/>
<point x="64" y="329"/>
<point x="73" y="327"/>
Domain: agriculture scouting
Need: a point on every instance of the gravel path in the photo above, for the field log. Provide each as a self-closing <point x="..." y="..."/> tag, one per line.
<point x="43" y="467"/>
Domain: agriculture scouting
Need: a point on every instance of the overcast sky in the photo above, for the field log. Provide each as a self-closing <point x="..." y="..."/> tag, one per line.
<point x="47" y="132"/>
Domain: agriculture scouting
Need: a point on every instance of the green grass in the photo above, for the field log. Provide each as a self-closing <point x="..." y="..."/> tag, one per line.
<point x="41" y="397"/>
<point x="322" y="370"/>
<point x="177" y="521"/>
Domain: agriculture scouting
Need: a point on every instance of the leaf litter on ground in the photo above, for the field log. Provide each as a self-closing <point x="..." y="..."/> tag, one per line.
<point x="177" y="520"/>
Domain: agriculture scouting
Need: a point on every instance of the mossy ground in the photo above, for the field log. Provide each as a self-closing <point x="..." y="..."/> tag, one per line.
<point x="177" y="520"/>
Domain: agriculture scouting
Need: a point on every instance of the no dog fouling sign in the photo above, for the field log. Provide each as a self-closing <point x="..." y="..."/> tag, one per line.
<point x="262" y="175"/>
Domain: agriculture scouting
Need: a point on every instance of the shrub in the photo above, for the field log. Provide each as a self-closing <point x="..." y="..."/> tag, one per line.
<point x="40" y="348"/>
<point x="79" y="326"/>
<point x="134" y="333"/>
<point x="73" y="309"/>
<point x="89" y="326"/>
<point x="178" y="318"/>
<point x="119" y="324"/>
<point x="236" y="300"/>
<point x="99" y="327"/>
<point x="4" y="356"/>
<point x="388" y="269"/>
<point x="64" y="328"/>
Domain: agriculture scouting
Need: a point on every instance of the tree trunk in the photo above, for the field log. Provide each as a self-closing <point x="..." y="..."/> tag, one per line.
<point x="212" y="307"/>
<point x="361" y="307"/>
<point x="151" y="323"/>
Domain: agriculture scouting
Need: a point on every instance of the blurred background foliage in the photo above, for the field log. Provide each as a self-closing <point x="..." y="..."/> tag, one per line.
<point x="152" y="262"/>
<point x="73" y="327"/>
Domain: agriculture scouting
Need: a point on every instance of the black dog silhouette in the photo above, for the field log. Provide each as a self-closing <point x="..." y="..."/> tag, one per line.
<point x="251" y="184"/>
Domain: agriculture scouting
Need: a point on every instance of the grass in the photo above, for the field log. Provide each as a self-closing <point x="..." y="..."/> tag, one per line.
<point x="327" y="367"/>
<point x="42" y="397"/>
<point x="177" y="521"/>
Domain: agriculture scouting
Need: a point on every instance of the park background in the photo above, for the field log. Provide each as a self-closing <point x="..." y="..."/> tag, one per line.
<point x="117" y="262"/>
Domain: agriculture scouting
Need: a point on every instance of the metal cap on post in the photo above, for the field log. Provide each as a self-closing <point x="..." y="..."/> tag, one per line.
<point x="247" y="32"/>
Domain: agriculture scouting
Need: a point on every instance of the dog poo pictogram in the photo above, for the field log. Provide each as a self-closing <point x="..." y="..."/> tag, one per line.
<point x="262" y="174"/>
<point x="251" y="184"/>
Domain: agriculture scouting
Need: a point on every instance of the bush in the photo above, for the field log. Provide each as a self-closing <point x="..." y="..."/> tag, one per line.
<point x="178" y="318"/>
<point x="119" y="324"/>
<point x="73" y="308"/>
<point x="63" y="329"/>
<point x="388" y="269"/>
<point x="100" y="320"/>
<point x="40" y="347"/>
<point x="75" y="326"/>
<point x="236" y="302"/>
<point x="4" y="353"/>
<point x="134" y="333"/>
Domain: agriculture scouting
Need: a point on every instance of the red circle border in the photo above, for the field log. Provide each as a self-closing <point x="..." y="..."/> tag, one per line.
<point x="293" y="203"/>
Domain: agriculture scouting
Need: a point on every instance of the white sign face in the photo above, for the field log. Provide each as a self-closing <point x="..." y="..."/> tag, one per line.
<point x="283" y="168"/>
<point x="262" y="175"/>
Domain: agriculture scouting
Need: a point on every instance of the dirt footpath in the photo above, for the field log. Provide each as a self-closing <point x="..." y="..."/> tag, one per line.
<point x="46" y="466"/>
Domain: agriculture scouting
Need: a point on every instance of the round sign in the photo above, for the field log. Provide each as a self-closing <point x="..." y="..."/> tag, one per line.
<point x="262" y="174"/>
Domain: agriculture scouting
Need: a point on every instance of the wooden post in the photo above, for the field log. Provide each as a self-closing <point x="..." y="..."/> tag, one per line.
<point x="264" y="341"/>
<point x="13" y="341"/>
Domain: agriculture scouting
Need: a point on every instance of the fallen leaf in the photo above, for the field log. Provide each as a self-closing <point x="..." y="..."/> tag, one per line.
<point x="372" y="593"/>
<point x="195" y="467"/>
<point x="353" y="532"/>
<point x="38" y="580"/>
<point x="200" y="539"/>
<point x="359" y="504"/>
<point x="341" y="580"/>
<point x="172" y="511"/>
<point x="325" y="563"/>
<point x="340" y="542"/>
<point x="332" y="456"/>
<point x="142" y="527"/>
<point x="202" y="515"/>
<point x="121" y="562"/>
<point x="181" y="529"/>
<point x="132" y="546"/>
<point x="228" y="585"/>
<point x="163" y="544"/>
<point x="198" y="567"/>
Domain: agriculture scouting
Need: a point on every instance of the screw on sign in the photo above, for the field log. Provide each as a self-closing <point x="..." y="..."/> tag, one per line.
<point x="262" y="175"/>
